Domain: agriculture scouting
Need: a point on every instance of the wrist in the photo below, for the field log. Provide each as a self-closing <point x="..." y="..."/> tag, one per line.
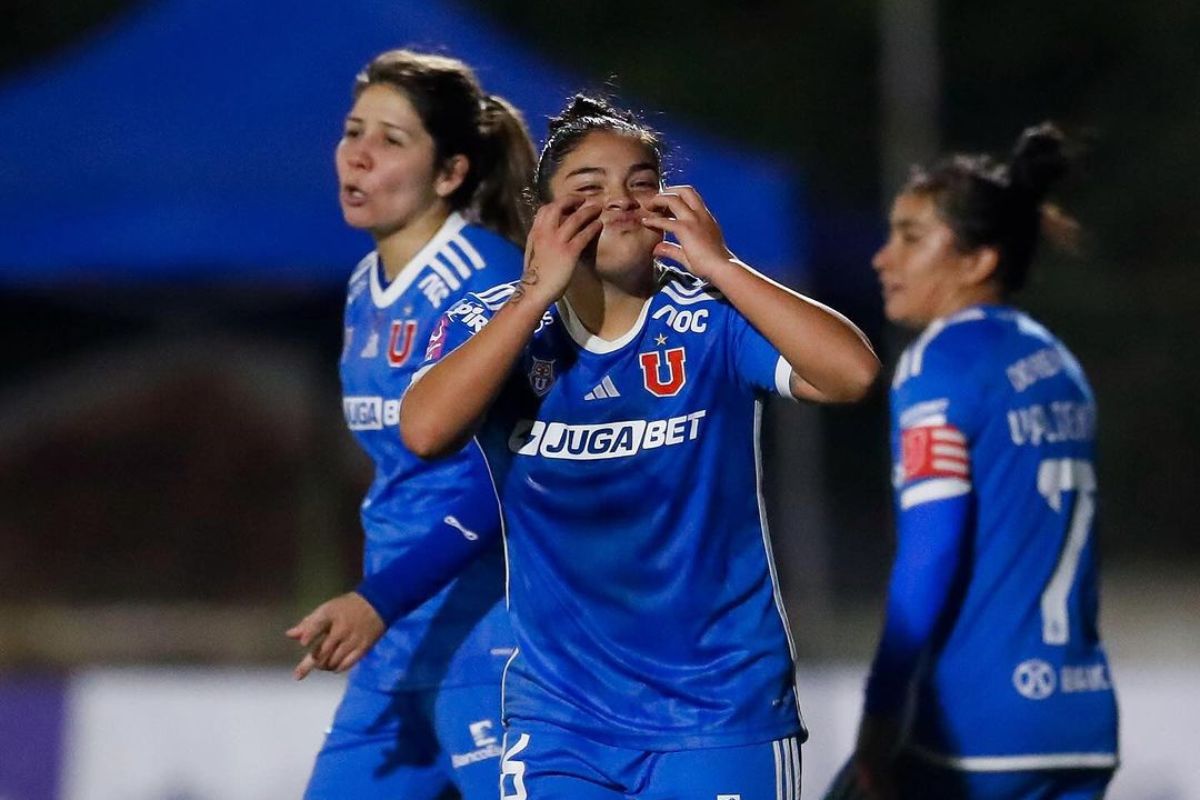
<point x="537" y="297"/>
<point x="717" y="269"/>
<point x="534" y="288"/>
<point x="525" y="309"/>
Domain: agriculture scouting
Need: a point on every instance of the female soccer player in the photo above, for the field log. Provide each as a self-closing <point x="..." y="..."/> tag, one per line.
<point x="620" y="401"/>
<point x="991" y="616"/>
<point x="435" y="171"/>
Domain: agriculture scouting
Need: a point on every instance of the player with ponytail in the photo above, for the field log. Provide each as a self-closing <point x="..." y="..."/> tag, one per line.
<point x="990" y="681"/>
<point x="437" y="172"/>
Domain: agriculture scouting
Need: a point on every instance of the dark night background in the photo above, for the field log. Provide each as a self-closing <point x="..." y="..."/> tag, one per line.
<point x="156" y="499"/>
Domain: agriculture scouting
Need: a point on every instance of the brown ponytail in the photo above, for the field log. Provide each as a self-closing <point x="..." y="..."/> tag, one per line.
<point x="501" y="200"/>
<point x="462" y="120"/>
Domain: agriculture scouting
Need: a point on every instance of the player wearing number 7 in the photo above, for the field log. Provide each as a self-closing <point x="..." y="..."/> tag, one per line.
<point x="991" y="616"/>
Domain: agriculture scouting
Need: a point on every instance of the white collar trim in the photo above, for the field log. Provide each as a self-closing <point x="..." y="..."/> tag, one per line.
<point x="384" y="297"/>
<point x="590" y="341"/>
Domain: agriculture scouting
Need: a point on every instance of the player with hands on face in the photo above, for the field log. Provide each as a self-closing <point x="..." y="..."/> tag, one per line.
<point x="619" y="401"/>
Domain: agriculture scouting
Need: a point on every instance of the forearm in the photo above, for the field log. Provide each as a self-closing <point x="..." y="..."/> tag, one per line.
<point x="825" y="350"/>
<point x="929" y="562"/>
<point x="442" y="409"/>
<point x="427" y="566"/>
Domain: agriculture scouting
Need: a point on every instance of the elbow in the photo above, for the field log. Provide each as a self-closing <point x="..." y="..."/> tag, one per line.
<point x="421" y="436"/>
<point x="862" y="376"/>
<point x="856" y="379"/>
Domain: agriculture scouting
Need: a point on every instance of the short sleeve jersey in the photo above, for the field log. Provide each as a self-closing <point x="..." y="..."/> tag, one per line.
<point x="641" y="585"/>
<point x="458" y="635"/>
<point x="991" y="410"/>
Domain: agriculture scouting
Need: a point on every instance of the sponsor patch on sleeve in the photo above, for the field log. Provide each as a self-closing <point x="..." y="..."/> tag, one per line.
<point x="437" y="340"/>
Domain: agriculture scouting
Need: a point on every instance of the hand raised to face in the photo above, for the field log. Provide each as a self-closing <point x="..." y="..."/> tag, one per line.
<point x="561" y="230"/>
<point x="700" y="245"/>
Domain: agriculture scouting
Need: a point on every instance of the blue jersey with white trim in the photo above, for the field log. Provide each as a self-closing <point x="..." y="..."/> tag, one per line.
<point x="641" y="585"/>
<point x="993" y="603"/>
<point x="461" y="634"/>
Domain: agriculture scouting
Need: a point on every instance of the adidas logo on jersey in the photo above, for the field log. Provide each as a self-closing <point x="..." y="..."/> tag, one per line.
<point x="604" y="390"/>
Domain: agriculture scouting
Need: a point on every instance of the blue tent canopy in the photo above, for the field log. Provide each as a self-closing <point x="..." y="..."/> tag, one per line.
<point x="194" y="139"/>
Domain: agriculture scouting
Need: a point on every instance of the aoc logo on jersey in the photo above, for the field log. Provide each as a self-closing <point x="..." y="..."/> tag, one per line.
<point x="655" y="381"/>
<point x="541" y="376"/>
<point x="685" y="321"/>
<point x="1034" y="679"/>
<point x="400" y="342"/>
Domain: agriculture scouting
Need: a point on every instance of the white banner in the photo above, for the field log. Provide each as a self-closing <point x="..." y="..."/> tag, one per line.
<point x="211" y="734"/>
<point x="194" y="734"/>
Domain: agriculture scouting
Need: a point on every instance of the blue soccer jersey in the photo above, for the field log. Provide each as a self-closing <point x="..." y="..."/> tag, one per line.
<point x="432" y="519"/>
<point x="993" y="603"/>
<point x="641" y="584"/>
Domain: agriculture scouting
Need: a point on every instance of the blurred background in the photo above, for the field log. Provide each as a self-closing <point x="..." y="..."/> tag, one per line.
<point x="176" y="487"/>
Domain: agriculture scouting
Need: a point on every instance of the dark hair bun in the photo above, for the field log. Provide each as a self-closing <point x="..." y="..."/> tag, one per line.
<point x="1039" y="160"/>
<point x="583" y="106"/>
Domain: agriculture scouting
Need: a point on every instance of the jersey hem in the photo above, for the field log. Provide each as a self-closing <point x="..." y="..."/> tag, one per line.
<point x="669" y="743"/>
<point x="1016" y="763"/>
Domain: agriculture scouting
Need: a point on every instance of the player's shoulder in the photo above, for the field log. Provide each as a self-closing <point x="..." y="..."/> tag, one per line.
<point x="493" y="297"/>
<point x="363" y="268"/>
<point x="688" y="303"/>
<point x="685" y="289"/>
<point x="475" y="308"/>
<point x="954" y="348"/>
<point x="360" y="276"/>
<point x="486" y="248"/>
<point x="1036" y="354"/>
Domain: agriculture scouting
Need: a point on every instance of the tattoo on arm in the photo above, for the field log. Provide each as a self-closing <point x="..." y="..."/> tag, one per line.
<point x="528" y="278"/>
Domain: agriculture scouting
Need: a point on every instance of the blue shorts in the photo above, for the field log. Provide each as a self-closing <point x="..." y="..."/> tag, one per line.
<point x="552" y="764"/>
<point x="417" y="745"/>
<point x="917" y="778"/>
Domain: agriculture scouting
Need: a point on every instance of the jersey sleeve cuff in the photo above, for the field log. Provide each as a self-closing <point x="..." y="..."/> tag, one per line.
<point x="783" y="378"/>
<point x="937" y="489"/>
<point x="420" y="373"/>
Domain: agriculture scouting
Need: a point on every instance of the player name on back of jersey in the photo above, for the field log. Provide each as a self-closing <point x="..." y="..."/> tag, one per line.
<point x="605" y="440"/>
<point x="1060" y="421"/>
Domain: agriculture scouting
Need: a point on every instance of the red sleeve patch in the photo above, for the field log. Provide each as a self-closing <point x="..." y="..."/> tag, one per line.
<point x="934" y="451"/>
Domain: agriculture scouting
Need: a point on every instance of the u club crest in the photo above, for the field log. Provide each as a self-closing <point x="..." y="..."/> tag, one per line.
<point x="662" y="382"/>
<point x="400" y="341"/>
<point x="541" y="376"/>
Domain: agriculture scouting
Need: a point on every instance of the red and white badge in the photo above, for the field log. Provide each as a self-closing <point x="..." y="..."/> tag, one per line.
<point x="934" y="451"/>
